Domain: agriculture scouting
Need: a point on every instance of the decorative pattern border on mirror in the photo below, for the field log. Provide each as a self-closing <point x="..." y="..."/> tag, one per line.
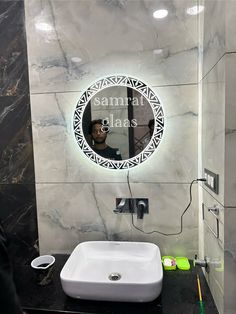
<point x="143" y="89"/>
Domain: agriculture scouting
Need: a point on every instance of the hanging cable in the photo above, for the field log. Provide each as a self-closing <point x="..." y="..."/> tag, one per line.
<point x="181" y="218"/>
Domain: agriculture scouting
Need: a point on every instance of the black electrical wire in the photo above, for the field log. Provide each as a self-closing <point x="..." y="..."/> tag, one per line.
<point x="181" y="218"/>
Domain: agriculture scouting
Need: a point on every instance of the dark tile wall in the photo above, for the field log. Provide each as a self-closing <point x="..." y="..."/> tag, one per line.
<point x="17" y="180"/>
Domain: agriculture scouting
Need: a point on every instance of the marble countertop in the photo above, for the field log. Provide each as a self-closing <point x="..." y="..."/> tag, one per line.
<point x="179" y="295"/>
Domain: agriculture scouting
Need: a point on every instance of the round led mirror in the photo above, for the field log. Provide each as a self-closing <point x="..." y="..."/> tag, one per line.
<point x="118" y="122"/>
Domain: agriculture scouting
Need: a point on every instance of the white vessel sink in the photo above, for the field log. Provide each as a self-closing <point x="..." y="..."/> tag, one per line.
<point x="113" y="271"/>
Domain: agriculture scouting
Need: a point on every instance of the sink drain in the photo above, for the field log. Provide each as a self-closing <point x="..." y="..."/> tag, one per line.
<point x="114" y="276"/>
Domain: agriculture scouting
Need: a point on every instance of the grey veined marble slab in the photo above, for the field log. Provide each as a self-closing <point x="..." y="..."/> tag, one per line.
<point x="73" y="43"/>
<point x="72" y="213"/>
<point x="59" y="159"/>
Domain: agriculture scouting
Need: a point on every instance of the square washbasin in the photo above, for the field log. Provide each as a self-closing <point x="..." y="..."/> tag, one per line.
<point x="113" y="271"/>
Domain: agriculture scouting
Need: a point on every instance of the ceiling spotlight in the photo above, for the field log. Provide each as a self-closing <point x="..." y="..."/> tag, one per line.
<point x="195" y="10"/>
<point x="160" y="14"/>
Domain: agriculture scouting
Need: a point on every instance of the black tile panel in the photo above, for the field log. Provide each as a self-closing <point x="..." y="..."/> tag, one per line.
<point x="16" y="147"/>
<point x="17" y="180"/>
<point x="18" y="216"/>
<point x="13" y="51"/>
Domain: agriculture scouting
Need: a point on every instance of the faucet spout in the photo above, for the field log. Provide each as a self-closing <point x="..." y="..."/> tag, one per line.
<point x="120" y="206"/>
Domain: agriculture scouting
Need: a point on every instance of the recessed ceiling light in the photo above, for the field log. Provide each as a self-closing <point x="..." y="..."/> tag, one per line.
<point x="195" y="10"/>
<point x="160" y="14"/>
<point x="157" y="51"/>
<point x="76" y="59"/>
<point x="44" y="26"/>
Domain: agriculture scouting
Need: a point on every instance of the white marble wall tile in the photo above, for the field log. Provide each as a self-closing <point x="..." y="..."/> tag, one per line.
<point x="219" y="39"/>
<point x="214" y="250"/>
<point x="213" y="124"/>
<point x="59" y="159"/>
<point x="166" y="204"/>
<point x="75" y="197"/>
<point x="70" y="46"/>
<point x="219" y="31"/>
<point x="214" y="33"/>
<point x="57" y="156"/>
<point x="230" y="131"/>
<point x="230" y="261"/>
<point x="72" y="213"/>
<point x="230" y="25"/>
<point x="175" y="159"/>
<point x="215" y="278"/>
<point x="200" y="41"/>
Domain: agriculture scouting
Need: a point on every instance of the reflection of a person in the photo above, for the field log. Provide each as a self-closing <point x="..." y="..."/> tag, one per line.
<point x="98" y="134"/>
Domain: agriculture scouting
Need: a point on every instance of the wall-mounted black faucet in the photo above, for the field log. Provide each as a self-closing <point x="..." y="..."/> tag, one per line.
<point x="131" y="206"/>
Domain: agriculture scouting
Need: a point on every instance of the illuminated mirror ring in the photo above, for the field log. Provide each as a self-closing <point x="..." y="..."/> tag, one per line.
<point x="144" y="90"/>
